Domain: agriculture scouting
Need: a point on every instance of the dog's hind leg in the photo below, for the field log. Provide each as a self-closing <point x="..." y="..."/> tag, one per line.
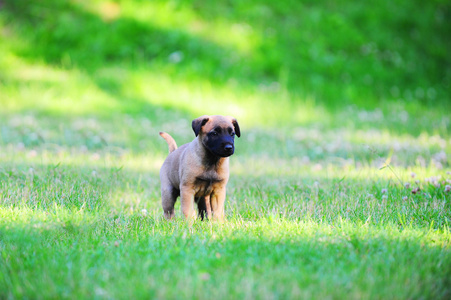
<point x="168" y="198"/>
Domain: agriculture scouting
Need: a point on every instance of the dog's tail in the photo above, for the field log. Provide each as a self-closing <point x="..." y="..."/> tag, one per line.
<point x="171" y="142"/>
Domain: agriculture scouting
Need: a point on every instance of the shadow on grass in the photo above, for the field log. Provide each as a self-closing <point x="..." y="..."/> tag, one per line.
<point x="154" y="256"/>
<point x="366" y="49"/>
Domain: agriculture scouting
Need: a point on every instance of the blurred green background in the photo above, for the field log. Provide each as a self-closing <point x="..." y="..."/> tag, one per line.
<point x="370" y="72"/>
<point x="269" y="62"/>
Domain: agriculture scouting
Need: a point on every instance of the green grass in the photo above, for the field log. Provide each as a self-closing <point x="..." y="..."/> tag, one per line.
<point x="340" y="106"/>
<point x="89" y="224"/>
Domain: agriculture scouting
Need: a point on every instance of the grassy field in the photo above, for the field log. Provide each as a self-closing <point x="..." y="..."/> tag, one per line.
<point x="339" y="184"/>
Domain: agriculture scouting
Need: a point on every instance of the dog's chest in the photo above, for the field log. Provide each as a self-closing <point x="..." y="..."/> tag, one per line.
<point x="206" y="183"/>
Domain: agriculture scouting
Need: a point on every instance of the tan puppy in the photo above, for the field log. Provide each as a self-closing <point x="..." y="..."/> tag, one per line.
<point x="199" y="171"/>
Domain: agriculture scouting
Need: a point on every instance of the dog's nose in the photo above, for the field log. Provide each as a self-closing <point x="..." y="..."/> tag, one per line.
<point x="228" y="147"/>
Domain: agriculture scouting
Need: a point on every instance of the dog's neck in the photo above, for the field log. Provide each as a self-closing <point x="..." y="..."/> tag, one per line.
<point x="211" y="160"/>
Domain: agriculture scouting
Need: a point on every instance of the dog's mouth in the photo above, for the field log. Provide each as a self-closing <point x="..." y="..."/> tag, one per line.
<point x="224" y="151"/>
<point x="225" y="154"/>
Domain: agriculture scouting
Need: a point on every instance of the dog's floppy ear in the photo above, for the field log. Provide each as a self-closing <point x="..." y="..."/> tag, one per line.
<point x="236" y="126"/>
<point x="198" y="123"/>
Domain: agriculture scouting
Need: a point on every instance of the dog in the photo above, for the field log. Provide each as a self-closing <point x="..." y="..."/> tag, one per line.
<point x="198" y="172"/>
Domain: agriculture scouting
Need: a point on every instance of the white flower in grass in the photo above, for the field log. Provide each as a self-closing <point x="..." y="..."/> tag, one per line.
<point x="405" y="198"/>
<point x="144" y="211"/>
<point x="176" y="57"/>
<point x="413" y="174"/>
<point x="407" y="185"/>
<point x="205" y="276"/>
<point x="384" y="191"/>
<point x="447" y="188"/>
<point x="32" y="153"/>
<point x="415" y="190"/>
<point x="438" y="164"/>
<point x="100" y="292"/>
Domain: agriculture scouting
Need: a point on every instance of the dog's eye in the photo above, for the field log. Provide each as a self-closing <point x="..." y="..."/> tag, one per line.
<point x="213" y="133"/>
<point x="232" y="133"/>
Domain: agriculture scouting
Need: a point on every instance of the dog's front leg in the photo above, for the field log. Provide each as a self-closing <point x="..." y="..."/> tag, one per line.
<point x="217" y="200"/>
<point x="187" y="202"/>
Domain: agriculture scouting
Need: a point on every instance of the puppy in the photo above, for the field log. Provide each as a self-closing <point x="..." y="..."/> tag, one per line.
<point x="198" y="172"/>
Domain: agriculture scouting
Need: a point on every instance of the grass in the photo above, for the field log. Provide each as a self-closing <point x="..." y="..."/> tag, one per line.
<point x="343" y="111"/>
<point x="90" y="225"/>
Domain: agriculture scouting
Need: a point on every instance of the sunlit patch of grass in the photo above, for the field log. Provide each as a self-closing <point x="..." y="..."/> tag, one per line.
<point x="179" y="16"/>
<point x="252" y="107"/>
<point x="241" y="37"/>
<point x="321" y="188"/>
<point x="50" y="90"/>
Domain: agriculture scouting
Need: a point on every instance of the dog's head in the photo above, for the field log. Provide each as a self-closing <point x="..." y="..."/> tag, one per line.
<point x="217" y="133"/>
